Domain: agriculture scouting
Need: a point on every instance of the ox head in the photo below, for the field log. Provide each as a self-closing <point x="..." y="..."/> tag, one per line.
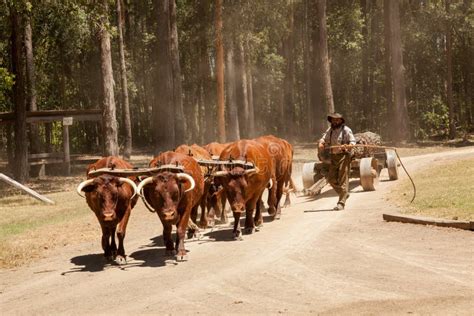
<point x="105" y="191"/>
<point x="235" y="185"/>
<point x="164" y="192"/>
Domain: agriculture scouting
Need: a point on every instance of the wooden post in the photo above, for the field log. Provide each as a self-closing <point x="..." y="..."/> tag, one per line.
<point x="67" y="121"/>
<point x="20" y="186"/>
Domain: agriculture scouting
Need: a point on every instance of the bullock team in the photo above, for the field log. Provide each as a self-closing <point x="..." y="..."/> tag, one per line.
<point x="178" y="183"/>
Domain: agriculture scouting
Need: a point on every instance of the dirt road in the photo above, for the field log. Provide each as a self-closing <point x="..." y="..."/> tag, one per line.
<point x="311" y="261"/>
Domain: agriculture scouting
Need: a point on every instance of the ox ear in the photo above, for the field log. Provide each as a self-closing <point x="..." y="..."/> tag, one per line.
<point x="89" y="188"/>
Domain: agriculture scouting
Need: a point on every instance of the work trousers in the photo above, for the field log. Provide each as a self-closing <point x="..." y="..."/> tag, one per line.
<point x="338" y="175"/>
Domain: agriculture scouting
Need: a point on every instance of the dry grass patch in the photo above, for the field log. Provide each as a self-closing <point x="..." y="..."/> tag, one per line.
<point x="28" y="227"/>
<point x="444" y="190"/>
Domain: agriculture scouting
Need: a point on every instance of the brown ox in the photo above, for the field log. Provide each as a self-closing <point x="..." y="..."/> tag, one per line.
<point x="198" y="152"/>
<point x="215" y="149"/>
<point x="281" y="153"/>
<point x="111" y="199"/>
<point x="244" y="185"/>
<point x="173" y="193"/>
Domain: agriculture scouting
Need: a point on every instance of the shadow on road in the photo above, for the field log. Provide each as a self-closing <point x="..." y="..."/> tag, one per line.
<point x="151" y="257"/>
<point x="316" y="211"/>
<point x="88" y="263"/>
<point x="331" y="193"/>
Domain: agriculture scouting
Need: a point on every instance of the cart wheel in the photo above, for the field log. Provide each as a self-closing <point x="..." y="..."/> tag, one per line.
<point x="308" y="175"/>
<point x="369" y="175"/>
<point x="392" y="164"/>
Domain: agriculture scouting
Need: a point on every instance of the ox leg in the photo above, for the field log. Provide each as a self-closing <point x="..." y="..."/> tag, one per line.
<point x="106" y="243"/>
<point x="237" y="234"/>
<point x="287" y="200"/>
<point x="289" y="188"/>
<point x="122" y="228"/>
<point x="272" y="198"/>
<point x="223" y="201"/>
<point x="258" y="213"/>
<point x="249" y="222"/>
<point x="203" y="222"/>
<point x="279" y="194"/>
<point x="181" y="254"/>
<point x="207" y="218"/>
<point x="167" y="239"/>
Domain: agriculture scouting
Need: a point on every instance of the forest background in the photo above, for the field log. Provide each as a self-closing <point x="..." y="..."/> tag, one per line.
<point x="168" y="72"/>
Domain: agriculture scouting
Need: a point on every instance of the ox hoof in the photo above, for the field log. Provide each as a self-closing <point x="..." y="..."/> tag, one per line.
<point x="181" y="258"/>
<point x="249" y="230"/>
<point x="109" y="258"/>
<point x="170" y="253"/>
<point x="237" y="235"/>
<point x="277" y="216"/>
<point x="258" y="227"/>
<point x="120" y="260"/>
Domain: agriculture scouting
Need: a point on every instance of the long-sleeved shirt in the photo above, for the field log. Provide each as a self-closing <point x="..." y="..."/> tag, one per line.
<point x="338" y="136"/>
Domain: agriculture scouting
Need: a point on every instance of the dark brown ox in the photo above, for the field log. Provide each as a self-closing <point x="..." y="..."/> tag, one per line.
<point x="281" y="154"/>
<point x="216" y="197"/>
<point x="244" y="185"/>
<point x="173" y="193"/>
<point x="111" y="199"/>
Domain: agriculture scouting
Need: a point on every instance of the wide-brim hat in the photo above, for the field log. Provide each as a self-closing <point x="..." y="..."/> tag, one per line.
<point x="336" y="116"/>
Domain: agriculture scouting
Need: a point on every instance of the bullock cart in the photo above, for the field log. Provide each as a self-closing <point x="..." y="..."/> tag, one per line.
<point x="368" y="160"/>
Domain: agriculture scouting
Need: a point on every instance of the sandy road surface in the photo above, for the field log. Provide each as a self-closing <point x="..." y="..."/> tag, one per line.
<point x="312" y="260"/>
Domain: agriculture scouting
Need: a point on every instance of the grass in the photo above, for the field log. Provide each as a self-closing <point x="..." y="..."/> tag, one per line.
<point x="444" y="190"/>
<point x="28" y="227"/>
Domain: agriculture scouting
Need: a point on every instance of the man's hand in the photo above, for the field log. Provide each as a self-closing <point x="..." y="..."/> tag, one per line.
<point x="321" y="145"/>
<point x="346" y="147"/>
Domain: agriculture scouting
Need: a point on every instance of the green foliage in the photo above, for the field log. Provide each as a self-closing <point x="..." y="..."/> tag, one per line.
<point x="67" y="57"/>
<point x="435" y="122"/>
<point x="6" y="84"/>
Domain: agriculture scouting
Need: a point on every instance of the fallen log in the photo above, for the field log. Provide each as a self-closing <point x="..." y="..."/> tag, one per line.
<point x="20" y="186"/>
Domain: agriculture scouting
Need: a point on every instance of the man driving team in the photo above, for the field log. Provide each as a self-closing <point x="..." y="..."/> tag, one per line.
<point x="341" y="136"/>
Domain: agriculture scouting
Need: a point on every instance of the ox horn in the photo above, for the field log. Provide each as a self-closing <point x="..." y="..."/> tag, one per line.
<point x="270" y="184"/>
<point x="220" y="173"/>
<point x="252" y="171"/>
<point x="187" y="177"/>
<point x="132" y="184"/>
<point x="82" y="185"/>
<point x="142" y="184"/>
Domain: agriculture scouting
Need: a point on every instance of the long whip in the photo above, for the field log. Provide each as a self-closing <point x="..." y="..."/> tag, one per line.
<point x="383" y="147"/>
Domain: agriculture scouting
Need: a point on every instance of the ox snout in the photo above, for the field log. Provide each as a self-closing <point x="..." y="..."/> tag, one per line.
<point x="238" y="207"/>
<point x="169" y="215"/>
<point x="108" y="216"/>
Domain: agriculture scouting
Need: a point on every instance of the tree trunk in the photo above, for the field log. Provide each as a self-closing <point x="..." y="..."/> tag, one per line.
<point x="388" y="68"/>
<point x="123" y="73"/>
<point x="163" y="122"/>
<point x="307" y="70"/>
<point x="324" y="56"/>
<point x="233" y="115"/>
<point x="10" y="147"/>
<point x="220" y="74"/>
<point x="180" y="125"/>
<point x="251" y="121"/>
<point x="398" y="75"/>
<point x="31" y="86"/>
<point x="243" y="92"/>
<point x="287" y="124"/>
<point x="21" y="140"/>
<point x="109" y="119"/>
<point x="364" y="104"/>
<point x="449" y="73"/>
<point x="318" y="107"/>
